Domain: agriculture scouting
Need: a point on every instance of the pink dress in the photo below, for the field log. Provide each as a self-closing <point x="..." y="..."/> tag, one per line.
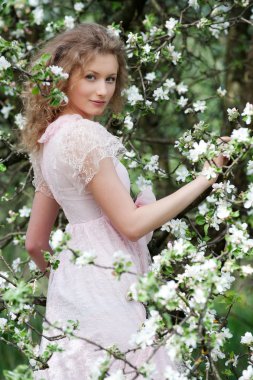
<point x="70" y="151"/>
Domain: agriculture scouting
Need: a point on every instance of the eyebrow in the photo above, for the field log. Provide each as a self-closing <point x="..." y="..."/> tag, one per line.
<point x="95" y="72"/>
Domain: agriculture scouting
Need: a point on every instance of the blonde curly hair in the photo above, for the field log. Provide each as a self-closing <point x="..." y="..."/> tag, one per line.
<point x="70" y="50"/>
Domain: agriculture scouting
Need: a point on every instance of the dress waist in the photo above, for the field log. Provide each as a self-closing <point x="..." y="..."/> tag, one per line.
<point x="102" y="218"/>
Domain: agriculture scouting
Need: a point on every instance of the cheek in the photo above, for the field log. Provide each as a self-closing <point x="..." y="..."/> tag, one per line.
<point x="112" y="90"/>
<point x="81" y="93"/>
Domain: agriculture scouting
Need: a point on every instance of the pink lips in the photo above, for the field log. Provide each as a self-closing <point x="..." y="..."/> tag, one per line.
<point x="98" y="102"/>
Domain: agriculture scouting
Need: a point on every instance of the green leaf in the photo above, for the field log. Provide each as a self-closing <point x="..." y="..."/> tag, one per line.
<point x="20" y="373"/>
<point x="200" y="220"/>
<point x="35" y="90"/>
<point x="2" y="168"/>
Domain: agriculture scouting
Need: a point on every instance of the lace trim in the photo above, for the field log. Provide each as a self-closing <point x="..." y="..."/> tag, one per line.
<point x="53" y="127"/>
<point x="85" y="145"/>
<point x="38" y="181"/>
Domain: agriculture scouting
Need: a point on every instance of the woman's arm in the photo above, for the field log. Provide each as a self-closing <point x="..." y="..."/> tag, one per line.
<point x="133" y="222"/>
<point x="43" y="216"/>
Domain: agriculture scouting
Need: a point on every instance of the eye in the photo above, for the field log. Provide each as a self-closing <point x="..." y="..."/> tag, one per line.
<point x="111" y="79"/>
<point x="90" y="77"/>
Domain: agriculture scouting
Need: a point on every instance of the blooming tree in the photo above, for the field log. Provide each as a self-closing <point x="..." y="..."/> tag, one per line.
<point x="183" y="94"/>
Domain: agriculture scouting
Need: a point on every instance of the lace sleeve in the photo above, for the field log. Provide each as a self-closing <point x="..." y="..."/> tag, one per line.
<point x="38" y="181"/>
<point x="84" y="145"/>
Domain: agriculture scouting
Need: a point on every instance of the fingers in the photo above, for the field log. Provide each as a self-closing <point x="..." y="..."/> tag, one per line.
<point x="223" y="139"/>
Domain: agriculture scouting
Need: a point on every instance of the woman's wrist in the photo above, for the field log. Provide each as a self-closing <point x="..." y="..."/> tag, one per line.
<point x="205" y="181"/>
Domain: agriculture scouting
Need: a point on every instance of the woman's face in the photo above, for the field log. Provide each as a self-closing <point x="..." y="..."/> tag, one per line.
<point x="90" y="94"/>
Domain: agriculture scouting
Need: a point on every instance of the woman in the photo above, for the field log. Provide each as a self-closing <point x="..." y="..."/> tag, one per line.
<point x="76" y="167"/>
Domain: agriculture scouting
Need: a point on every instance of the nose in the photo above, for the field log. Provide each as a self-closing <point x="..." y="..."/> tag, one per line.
<point x="101" y="88"/>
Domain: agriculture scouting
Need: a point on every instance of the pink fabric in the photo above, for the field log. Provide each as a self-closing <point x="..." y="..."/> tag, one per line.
<point x="146" y="197"/>
<point x="89" y="294"/>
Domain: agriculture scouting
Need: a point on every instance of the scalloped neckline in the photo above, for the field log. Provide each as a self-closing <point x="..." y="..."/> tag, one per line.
<point x="55" y="125"/>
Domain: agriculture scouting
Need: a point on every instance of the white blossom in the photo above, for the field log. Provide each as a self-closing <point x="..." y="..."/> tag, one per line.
<point x="222" y="211"/>
<point x="133" y="164"/>
<point x="153" y="164"/>
<point x="170" y="84"/>
<point x="249" y="197"/>
<point x="194" y="4"/>
<point x="209" y="172"/>
<point x="20" y="120"/>
<point x="182" y="88"/>
<point x="182" y="101"/>
<point x="233" y="114"/>
<point x="220" y="340"/>
<point x="188" y="110"/>
<point x="3" y="322"/>
<point x="133" y="95"/>
<point x="248" y="112"/>
<point x="24" y="212"/>
<point x="56" y="238"/>
<point x="132" y="39"/>
<point x="113" y="30"/>
<point x="224" y="282"/>
<point x="86" y="257"/>
<point x="177" y="227"/>
<point x="57" y="70"/>
<point x="250" y="167"/>
<point x="149" y="369"/>
<point x="146" y="48"/>
<point x="246" y="270"/>
<point x="199" y="296"/>
<point x="198" y="150"/>
<point x="171" y="25"/>
<point x="150" y="76"/>
<point x="247" y="338"/>
<point x="219" y="10"/>
<point x="203" y="208"/>
<point x="32" y="362"/>
<point x="130" y="154"/>
<point x="78" y="7"/>
<point x="4" y="64"/>
<point x="233" y="361"/>
<point x="69" y="22"/>
<point x="38" y="15"/>
<point x="143" y="183"/>
<point x="218" y="26"/>
<point x="199" y="105"/>
<point x="179" y="247"/>
<point x="175" y="55"/>
<point x="6" y="110"/>
<point x="32" y="265"/>
<point x="182" y="173"/>
<point x="202" y="22"/>
<point x="15" y="264"/>
<point x="146" y="335"/>
<point x="221" y="92"/>
<point x="101" y="362"/>
<point x="161" y="93"/>
<point x="241" y="134"/>
<point x="33" y="3"/>
<point x="247" y="374"/>
<point x="128" y="122"/>
<point x="117" y="375"/>
<point x="2" y="280"/>
<point x="166" y="292"/>
<point x="171" y="373"/>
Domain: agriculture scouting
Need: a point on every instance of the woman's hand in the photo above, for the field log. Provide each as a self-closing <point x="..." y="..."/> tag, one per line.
<point x="219" y="160"/>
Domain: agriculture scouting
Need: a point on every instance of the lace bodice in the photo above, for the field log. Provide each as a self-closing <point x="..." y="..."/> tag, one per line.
<point x="70" y="152"/>
<point x="69" y="156"/>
